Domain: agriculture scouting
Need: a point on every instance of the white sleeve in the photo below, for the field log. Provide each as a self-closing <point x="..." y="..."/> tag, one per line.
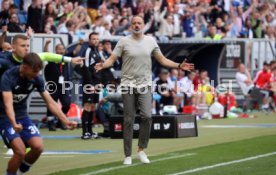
<point x="240" y="78"/>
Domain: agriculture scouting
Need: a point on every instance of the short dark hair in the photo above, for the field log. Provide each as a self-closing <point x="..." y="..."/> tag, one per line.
<point x="106" y="41"/>
<point x="92" y="33"/>
<point x="17" y="37"/>
<point x="202" y="70"/>
<point x="69" y="23"/>
<point x="33" y="60"/>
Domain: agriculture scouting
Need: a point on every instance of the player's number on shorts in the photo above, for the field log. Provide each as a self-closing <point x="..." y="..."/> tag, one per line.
<point x="33" y="130"/>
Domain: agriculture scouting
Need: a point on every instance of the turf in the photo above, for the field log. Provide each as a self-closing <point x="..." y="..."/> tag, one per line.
<point x="201" y="157"/>
<point x="209" y="138"/>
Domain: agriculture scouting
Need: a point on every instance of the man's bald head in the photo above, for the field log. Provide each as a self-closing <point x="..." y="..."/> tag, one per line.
<point x="137" y="17"/>
<point x="137" y="24"/>
<point x="6" y="46"/>
<point x="241" y="68"/>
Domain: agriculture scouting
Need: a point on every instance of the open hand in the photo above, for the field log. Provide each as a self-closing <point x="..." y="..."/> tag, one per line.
<point x="98" y="67"/>
<point x="187" y="66"/>
<point x="71" y="125"/>
<point x="77" y="60"/>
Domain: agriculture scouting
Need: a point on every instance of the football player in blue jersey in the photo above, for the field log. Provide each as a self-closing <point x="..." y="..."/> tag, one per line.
<point x="16" y="126"/>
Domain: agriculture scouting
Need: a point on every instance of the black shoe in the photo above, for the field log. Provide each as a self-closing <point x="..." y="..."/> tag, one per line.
<point x="86" y="136"/>
<point x="95" y="135"/>
<point x="51" y="126"/>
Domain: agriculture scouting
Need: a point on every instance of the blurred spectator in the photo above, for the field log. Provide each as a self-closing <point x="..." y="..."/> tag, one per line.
<point x="200" y="78"/>
<point x="92" y="9"/>
<point x="98" y="26"/>
<point x="62" y="24"/>
<point x="270" y="33"/>
<point x="68" y="29"/>
<point x="69" y="10"/>
<point x="35" y="19"/>
<point x="256" y="24"/>
<point x="106" y="31"/>
<point x="6" y="47"/>
<point x="219" y="25"/>
<point x="244" y="80"/>
<point x="51" y="22"/>
<point x="241" y="16"/>
<point x="106" y="50"/>
<point x="212" y="33"/>
<point x="47" y="29"/>
<point x="26" y="5"/>
<point x="164" y="89"/>
<point x="50" y="10"/>
<point x="114" y="26"/>
<point x="188" y="23"/>
<point x="13" y="10"/>
<point x="230" y="30"/>
<point x="4" y="14"/>
<point x="206" y="93"/>
<point x="262" y="77"/>
<point x="269" y="20"/>
<point x="166" y="24"/>
<point x="262" y="82"/>
<point x="106" y="13"/>
<point x="187" y="87"/>
<point x="13" y="25"/>
<point x="273" y="85"/>
<point x="123" y="25"/>
<point x="83" y="20"/>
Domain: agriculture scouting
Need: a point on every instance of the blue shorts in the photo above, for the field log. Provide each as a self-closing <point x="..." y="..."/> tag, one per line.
<point x="8" y="133"/>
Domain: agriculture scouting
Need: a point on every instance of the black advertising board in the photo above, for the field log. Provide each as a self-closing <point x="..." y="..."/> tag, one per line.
<point x="167" y="126"/>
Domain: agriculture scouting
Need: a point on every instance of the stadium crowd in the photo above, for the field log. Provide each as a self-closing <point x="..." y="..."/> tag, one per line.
<point x="165" y="19"/>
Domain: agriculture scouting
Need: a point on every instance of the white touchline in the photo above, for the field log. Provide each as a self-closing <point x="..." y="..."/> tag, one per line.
<point x="225" y="163"/>
<point x="135" y="164"/>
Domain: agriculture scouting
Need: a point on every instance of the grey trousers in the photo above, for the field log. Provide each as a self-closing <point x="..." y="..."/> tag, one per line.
<point x="134" y="100"/>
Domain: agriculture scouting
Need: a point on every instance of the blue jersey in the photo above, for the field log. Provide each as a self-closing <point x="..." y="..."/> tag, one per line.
<point x="7" y="61"/>
<point x="20" y="88"/>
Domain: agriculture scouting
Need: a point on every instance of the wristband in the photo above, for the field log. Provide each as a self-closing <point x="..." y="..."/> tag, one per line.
<point x="66" y="59"/>
<point x="179" y="66"/>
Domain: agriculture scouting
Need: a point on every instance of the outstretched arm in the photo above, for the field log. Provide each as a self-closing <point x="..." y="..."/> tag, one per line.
<point x="52" y="57"/>
<point x="53" y="106"/>
<point x="108" y="63"/>
<point x="169" y="63"/>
